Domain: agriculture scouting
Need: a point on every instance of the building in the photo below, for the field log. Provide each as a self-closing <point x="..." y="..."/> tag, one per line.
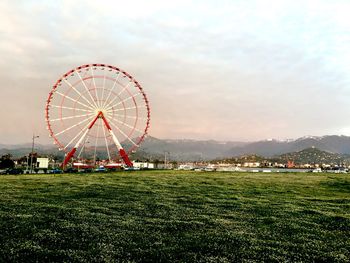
<point x="143" y="165"/>
<point x="42" y="163"/>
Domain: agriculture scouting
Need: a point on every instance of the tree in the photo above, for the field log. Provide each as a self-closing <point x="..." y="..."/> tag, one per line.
<point x="156" y="163"/>
<point x="6" y="162"/>
<point x="174" y="164"/>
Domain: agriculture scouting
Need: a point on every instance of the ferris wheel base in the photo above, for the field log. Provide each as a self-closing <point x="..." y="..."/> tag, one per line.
<point x="125" y="158"/>
<point x="68" y="157"/>
<point x="122" y="153"/>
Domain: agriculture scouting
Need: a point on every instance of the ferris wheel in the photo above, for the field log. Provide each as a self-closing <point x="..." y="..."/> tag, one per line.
<point x="100" y="107"/>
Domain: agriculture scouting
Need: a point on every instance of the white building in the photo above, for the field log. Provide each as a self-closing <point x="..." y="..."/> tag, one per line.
<point x="251" y="164"/>
<point x="143" y="165"/>
<point x="185" y="167"/>
<point x="42" y="163"/>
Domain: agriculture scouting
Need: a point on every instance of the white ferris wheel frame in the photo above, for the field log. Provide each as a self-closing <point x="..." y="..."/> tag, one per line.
<point x="99" y="108"/>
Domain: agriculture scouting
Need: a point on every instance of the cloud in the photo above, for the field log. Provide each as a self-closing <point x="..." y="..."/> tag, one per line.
<point x="235" y="70"/>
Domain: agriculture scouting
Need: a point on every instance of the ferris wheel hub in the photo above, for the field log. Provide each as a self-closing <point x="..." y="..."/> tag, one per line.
<point x="99" y="111"/>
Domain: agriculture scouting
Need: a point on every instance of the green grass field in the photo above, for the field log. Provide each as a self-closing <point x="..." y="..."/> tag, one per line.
<point x="173" y="216"/>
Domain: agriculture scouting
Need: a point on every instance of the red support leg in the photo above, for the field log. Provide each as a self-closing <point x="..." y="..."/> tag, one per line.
<point x="125" y="158"/>
<point x="122" y="152"/>
<point x="68" y="157"/>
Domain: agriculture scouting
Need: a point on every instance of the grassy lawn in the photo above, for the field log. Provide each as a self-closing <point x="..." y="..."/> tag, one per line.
<point x="174" y="216"/>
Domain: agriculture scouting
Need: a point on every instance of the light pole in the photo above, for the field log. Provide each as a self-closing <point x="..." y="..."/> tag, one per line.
<point x="27" y="163"/>
<point x="31" y="157"/>
<point x="165" y="160"/>
<point x="84" y="152"/>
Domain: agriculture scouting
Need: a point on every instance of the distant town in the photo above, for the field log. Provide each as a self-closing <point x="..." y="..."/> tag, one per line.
<point x="185" y="155"/>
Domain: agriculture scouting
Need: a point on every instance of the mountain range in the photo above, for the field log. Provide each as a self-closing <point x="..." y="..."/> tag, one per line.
<point x="207" y="150"/>
<point x="331" y="143"/>
<point x="194" y="150"/>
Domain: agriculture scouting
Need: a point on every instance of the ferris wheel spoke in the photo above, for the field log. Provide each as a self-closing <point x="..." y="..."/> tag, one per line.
<point x="74" y="138"/>
<point x="128" y="108"/>
<point x="96" y="140"/>
<point x="93" y="80"/>
<point x="88" y="91"/>
<point x="83" y="147"/>
<point x="131" y="127"/>
<point x="125" y="87"/>
<point x="79" y="154"/>
<point x="110" y="91"/>
<point x="127" y="125"/>
<point x="104" y="135"/>
<point x="126" y="116"/>
<point x="103" y="88"/>
<point x="78" y="92"/>
<point x="74" y="100"/>
<point x="126" y="136"/>
<point x="72" y="117"/>
<point x="73" y="126"/>
<point x="122" y="101"/>
<point x="69" y="108"/>
<point x="117" y="96"/>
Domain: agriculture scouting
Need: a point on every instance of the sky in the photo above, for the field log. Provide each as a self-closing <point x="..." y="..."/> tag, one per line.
<point x="223" y="70"/>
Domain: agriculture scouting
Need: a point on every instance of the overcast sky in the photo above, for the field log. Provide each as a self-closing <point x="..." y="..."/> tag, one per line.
<point x="224" y="70"/>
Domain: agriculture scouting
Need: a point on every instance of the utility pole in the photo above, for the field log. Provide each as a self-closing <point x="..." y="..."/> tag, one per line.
<point x="165" y="160"/>
<point x="31" y="157"/>
<point x="27" y="163"/>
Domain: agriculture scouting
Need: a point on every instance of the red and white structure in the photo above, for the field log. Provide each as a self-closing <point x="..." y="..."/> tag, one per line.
<point x="99" y="107"/>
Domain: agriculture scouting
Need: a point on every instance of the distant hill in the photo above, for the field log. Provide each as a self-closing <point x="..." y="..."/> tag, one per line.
<point x="21" y="151"/>
<point x="188" y="149"/>
<point x="269" y="148"/>
<point x="314" y="155"/>
<point x="194" y="150"/>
